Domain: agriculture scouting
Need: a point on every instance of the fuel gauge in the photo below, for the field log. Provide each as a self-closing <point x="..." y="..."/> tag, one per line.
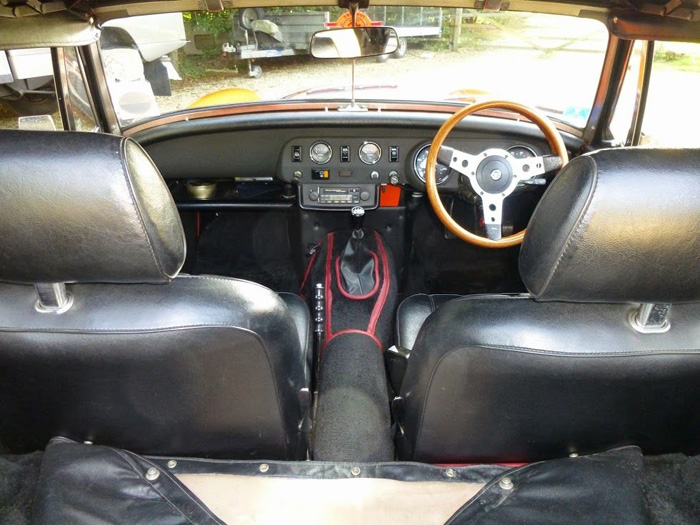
<point x="321" y="152"/>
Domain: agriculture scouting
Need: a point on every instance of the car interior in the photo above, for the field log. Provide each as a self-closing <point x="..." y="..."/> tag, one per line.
<point x="308" y="311"/>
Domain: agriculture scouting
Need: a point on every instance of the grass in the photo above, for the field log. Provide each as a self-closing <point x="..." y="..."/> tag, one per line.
<point x="193" y="67"/>
<point x="678" y="61"/>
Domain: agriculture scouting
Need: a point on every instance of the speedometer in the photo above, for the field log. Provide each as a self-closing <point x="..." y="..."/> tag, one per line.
<point x="522" y="152"/>
<point x="442" y="172"/>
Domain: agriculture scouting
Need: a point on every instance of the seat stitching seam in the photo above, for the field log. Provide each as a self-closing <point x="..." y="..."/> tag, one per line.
<point x="574" y="354"/>
<point x="224" y="279"/>
<point x="124" y="330"/>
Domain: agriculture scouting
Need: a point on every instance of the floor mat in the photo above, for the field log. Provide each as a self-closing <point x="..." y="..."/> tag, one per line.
<point x="249" y="245"/>
<point x="18" y="478"/>
<point x="672" y="489"/>
<point x="440" y="265"/>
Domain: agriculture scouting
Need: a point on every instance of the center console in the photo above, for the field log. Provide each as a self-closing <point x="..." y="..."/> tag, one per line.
<point x="339" y="173"/>
<point x="316" y="196"/>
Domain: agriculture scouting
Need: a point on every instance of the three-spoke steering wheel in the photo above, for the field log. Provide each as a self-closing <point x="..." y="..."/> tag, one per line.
<point x="493" y="174"/>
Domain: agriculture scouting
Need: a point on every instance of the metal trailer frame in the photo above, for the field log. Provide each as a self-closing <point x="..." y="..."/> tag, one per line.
<point x="404" y="27"/>
<point x="297" y="28"/>
<point x="410" y="25"/>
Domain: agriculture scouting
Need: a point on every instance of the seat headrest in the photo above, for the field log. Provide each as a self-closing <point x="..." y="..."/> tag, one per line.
<point x="84" y="207"/>
<point x="618" y="226"/>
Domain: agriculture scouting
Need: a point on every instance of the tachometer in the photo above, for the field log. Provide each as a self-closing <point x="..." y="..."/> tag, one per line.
<point x="370" y="153"/>
<point x="522" y="152"/>
<point x="321" y="152"/>
<point x="420" y="161"/>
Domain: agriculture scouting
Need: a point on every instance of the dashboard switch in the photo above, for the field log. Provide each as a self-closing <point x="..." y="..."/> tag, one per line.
<point x="296" y="153"/>
<point x="393" y="153"/>
<point x="344" y="153"/>
<point x="374" y="175"/>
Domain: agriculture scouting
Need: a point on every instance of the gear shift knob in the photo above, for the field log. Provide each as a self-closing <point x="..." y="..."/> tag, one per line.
<point x="358" y="218"/>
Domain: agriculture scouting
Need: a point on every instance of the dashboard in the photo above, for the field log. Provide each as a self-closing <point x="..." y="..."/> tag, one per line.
<point x="342" y="172"/>
<point x="325" y="160"/>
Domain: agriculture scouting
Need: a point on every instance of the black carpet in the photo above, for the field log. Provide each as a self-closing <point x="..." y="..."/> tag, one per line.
<point x="352" y="418"/>
<point x="450" y="265"/>
<point x="18" y="478"/>
<point x="249" y="245"/>
<point x="672" y="489"/>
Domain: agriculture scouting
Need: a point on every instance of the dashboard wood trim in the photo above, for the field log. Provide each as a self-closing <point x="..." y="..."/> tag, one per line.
<point x="376" y="107"/>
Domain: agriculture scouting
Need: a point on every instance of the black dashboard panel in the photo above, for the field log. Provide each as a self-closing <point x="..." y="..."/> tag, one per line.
<point x="278" y="146"/>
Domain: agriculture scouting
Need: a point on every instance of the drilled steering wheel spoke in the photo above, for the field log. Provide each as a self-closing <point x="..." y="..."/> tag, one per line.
<point x="493" y="174"/>
<point x="459" y="161"/>
<point x="529" y="168"/>
<point x="493" y="215"/>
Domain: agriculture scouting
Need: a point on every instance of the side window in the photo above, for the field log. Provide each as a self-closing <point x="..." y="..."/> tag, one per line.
<point x="672" y="111"/>
<point x="628" y="101"/>
<point x="137" y="69"/>
<point x="27" y="89"/>
<point x="28" y="98"/>
<point x="79" y="104"/>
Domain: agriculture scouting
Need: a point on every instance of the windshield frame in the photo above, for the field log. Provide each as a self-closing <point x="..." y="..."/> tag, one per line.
<point x="372" y="104"/>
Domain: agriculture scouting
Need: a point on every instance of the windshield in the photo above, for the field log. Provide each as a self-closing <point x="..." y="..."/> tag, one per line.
<point x="444" y="55"/>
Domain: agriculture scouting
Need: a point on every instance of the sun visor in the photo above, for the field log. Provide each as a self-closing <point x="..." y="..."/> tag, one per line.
<point x="632" y="25"/>
<point x="51" y="30"/>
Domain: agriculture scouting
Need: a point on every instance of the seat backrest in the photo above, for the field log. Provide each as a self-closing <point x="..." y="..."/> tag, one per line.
<point x="606" y="350"/>
<point x="117" y="348"/>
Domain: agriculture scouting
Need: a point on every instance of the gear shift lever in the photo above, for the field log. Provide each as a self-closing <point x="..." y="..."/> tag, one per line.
<point x="356" y="261"/>
<point x="358" y="218"/>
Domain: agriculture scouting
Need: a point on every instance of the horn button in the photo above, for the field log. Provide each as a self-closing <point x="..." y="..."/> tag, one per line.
<point x="494" y="174"/>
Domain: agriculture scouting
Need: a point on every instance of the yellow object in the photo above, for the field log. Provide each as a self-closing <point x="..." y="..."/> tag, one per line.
<point x="361" y="20"/>
<point x="201" y="189"/>
<point x="226" y="96"/>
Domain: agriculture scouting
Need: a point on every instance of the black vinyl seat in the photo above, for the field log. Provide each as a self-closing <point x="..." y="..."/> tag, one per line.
<point x="118" y="348"/>
<point x="605" y="351"/>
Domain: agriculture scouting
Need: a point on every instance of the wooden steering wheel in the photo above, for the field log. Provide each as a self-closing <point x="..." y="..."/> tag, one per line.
<point x="493" y="174"/>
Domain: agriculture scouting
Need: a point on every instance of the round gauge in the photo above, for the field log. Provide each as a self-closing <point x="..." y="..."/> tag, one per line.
<point x="420" y="161"/>
<point x="370" y="153"/>
<point x="321" y="152"/>
<point x="522" y="152"/>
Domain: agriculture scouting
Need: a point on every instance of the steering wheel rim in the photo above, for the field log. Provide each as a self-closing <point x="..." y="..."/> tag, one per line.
<point x="542" y="122"/>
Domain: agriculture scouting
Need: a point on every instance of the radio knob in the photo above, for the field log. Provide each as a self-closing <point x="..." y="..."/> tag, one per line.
<point x="364" y="196"/>
<point x="313" y="196"/>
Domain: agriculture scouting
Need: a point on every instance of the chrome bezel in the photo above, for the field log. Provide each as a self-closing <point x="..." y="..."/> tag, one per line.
<point x="60" y="309"/>
<point x="360" y="152"/>
<point x="311" y="152"/>
<point x="534" y="153"/>
<point x="417" y="171"/>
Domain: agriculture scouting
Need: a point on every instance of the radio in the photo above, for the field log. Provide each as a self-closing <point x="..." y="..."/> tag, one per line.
<point x="337" y="196"/>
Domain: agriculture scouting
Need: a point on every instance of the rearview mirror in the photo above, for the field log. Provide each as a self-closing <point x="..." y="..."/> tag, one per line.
<point x="354" y="42"/>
